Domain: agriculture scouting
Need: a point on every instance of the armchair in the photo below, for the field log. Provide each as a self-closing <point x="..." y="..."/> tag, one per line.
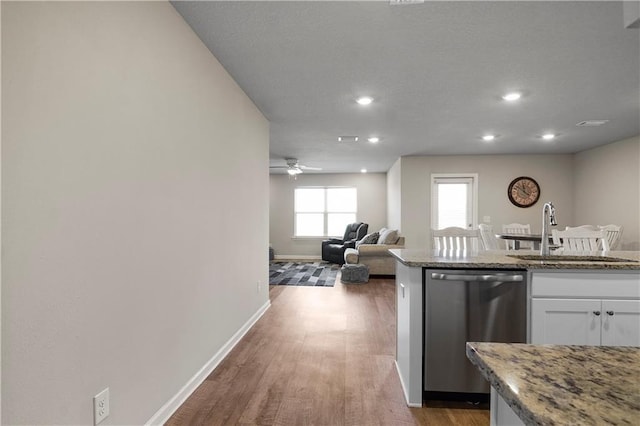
<point x="333" y="249"/>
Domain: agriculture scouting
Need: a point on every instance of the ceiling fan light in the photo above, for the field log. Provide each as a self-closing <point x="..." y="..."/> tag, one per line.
<point x="293" y="172"/>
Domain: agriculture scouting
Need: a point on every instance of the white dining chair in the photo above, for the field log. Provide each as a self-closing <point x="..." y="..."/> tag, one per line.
<point x="456" y="239"/>
<point x="580" y="240"/>
<point x="614" y="235"/>
<point x="516" y="228"/>
<point x="590" y="227"/>
<point x="488" y="237"/>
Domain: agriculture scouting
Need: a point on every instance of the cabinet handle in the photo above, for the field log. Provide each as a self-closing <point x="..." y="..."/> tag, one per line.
<point x="596" y="313"/>
<point x="610" y="313"/>
<point x="402" y="287"/>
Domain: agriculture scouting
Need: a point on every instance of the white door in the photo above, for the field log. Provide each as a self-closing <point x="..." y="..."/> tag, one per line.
<point x="453" y="200"/>
<point x="566" y="321"/>
<point x="621" y="322"/>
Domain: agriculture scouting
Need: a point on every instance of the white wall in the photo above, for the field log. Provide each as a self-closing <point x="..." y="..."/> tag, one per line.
<point x="394" y="196"/>
<point x="554" y="174"/>
<point x="608" y="188"/>
<point x="372" y="202"/>
<point x="132" y="166"/>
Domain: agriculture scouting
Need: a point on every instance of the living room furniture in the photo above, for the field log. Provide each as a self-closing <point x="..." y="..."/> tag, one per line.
<point x="333" y="249"/>
<point x="375" y="256"/>
<point x="356" y="273"/>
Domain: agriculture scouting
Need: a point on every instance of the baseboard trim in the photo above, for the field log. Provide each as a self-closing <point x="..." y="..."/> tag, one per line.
<point x="296" y="257"/>
<point x="167" y="410"/>
<point x="404" y="389"/>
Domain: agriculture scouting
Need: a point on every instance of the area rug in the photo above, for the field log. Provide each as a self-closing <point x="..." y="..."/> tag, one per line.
<point x="320" y="274"/>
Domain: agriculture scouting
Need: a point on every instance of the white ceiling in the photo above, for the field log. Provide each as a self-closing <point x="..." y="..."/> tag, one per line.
<point x="437" y="72"/>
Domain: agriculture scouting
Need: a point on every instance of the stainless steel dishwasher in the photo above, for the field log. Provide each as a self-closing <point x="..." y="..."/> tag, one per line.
<point x="468" y="306"/>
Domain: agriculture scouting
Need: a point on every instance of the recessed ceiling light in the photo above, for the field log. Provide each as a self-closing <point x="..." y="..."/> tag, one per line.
<point x="347" y="139"/>
<point x="363" y="170"/>
<point x="548" y="136"/>
<point x="373" y="139"/>
<point x="488" y="138"/>
<point x="513" y="96"/>
<point x="364" y="100"/>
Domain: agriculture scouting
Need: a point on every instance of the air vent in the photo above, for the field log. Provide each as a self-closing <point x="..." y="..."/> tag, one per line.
<point x="592" y="123"/>
<point x="347" y="139"/>
<point x="404" y="2"/>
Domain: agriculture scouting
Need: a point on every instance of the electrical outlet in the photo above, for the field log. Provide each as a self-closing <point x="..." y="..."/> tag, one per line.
<point x="100" y="406"/>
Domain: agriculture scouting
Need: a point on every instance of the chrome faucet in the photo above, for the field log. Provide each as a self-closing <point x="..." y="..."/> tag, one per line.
<point x="551" y="210"/>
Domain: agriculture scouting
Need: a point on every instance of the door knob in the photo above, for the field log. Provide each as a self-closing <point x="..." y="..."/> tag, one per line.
<point x="596" y="313"/>
<point x="610" y="313"/>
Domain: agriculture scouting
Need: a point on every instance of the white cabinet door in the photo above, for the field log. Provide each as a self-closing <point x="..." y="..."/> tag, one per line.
<point x="621" y="322"/>
<point x="565" y="321"/>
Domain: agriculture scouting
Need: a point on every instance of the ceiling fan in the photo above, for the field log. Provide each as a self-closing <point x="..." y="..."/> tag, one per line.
<point x="293" y="168"/>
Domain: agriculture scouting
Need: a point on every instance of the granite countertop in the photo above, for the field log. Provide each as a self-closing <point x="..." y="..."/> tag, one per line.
<point x="560" y="384"/>
<point x="499" y="259"/>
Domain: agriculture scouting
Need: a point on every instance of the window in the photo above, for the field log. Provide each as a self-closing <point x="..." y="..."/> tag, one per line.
<point x="453" y="201"/>
<point x="324" y="212"/>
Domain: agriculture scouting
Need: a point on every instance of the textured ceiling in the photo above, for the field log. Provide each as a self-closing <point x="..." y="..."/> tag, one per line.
<point x="436" y="70"/>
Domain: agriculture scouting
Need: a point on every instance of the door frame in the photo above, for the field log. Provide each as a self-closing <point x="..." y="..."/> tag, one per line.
<point x="474" y="195"/>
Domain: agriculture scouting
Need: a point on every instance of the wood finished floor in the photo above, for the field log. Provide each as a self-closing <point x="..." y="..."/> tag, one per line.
<point x="318" y="356"/>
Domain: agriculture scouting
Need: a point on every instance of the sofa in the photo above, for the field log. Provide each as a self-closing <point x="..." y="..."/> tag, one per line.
<point x="333" y="249"/>
<point x="375" y="256"/>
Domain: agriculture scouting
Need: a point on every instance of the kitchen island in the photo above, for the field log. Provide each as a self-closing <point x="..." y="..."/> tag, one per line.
<point x="572" y="301"/>
<point x="560" y="384"/>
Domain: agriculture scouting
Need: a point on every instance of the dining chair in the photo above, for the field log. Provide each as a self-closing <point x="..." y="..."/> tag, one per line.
<point x="488" y="237"/>
<point x="580" y="240"/>
<point x="456" y="239"/>
<point x="614" y="235"/>
<point x="516" y="228"/>
<point x="591" y="227"/>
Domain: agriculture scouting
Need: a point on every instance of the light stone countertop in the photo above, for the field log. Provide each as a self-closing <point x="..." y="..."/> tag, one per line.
<point x="561" y="384"/>
<point x="499" y="259"/>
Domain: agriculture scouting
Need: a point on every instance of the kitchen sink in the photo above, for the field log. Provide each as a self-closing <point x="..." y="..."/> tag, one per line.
<point x="569" y="258"/>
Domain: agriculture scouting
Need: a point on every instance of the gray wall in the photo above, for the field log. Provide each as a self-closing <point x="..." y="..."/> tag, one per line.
<point x="554" y="173"/>
<point x="372" y="205"/>
<point x="607" y="182"/>
<point x="132" y="166"/>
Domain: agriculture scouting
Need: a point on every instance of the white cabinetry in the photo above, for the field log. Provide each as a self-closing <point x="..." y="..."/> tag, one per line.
<point x="585" y="308"/>
<point x="579" y="308"/>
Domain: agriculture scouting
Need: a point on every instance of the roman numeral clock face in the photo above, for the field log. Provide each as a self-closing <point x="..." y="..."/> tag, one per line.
<point x="523" y="191"/>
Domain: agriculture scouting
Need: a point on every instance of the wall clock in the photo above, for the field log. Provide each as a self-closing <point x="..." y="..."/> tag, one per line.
<point x="523" y="191"/>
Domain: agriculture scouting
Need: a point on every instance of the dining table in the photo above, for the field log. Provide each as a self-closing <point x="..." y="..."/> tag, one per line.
<point x="517" y="238"/>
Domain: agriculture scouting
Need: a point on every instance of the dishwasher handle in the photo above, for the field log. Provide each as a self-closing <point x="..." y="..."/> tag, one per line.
<point x="483" y="278"/>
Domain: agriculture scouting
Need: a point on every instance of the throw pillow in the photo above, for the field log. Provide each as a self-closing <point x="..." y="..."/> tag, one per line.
<point x="371" y="238"/>
<point x="389" y="236"/>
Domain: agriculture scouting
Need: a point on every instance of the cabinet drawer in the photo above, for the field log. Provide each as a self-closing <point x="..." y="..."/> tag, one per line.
<point x="587" y="285"/>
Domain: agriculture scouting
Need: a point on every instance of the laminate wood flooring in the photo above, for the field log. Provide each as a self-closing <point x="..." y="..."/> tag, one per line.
<point x="318" y="356"/>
